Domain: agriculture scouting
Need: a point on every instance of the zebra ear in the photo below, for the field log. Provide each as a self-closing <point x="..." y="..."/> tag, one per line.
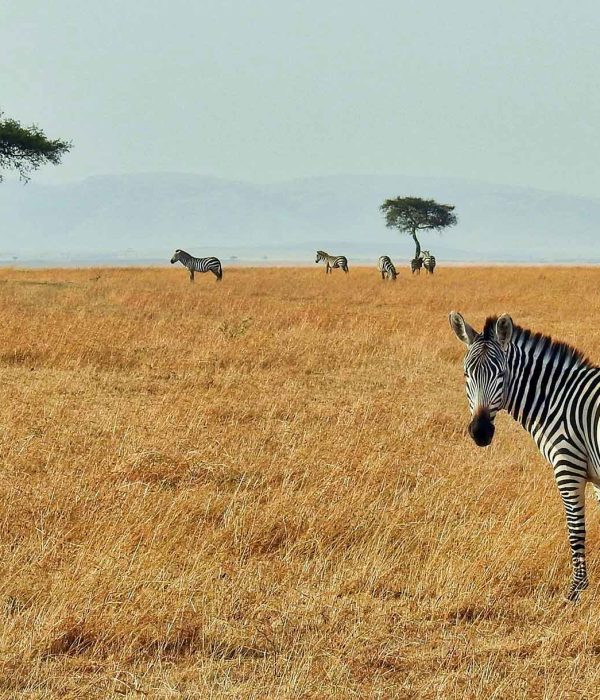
<point x="463" y="330"/>
<point x="504" y="330"/>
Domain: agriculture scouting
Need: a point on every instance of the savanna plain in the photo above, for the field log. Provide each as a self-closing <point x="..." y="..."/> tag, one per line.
<point x="264" y="488"/>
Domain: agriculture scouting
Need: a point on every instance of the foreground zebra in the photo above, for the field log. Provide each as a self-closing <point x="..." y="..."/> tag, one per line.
<point x="332" y="261"/>
<point x="415" y="265"/>
<point x="386" y="267"/>
<point x="198" y="264"/>
<point x="428" y="261"/>
<point x="554" y="392"/>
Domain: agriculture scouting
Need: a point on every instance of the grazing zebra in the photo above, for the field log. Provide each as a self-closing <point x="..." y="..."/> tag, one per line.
<point x="386" y="267"/>
<point x="415" y="265"/>
<point x="554" y="392"/>
<point x="332" y="261"/>
<point x="428" y="261"/>
<point x="198" y="264"/>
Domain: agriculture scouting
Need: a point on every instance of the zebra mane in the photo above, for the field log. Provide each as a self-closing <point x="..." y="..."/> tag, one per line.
<point x="553" y="347"/>
<point x="489" y="328"/>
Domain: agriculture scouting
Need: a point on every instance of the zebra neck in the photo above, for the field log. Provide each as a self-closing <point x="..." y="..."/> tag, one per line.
<point x="539" y="374"/>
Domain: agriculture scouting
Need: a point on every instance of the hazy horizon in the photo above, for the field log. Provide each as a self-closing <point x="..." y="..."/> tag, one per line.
<point x="145" y="217"/>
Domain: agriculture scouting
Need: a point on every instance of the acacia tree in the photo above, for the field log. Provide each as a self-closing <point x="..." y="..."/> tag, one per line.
<point x="26" y="148"/>
<point x="412" y="214"/>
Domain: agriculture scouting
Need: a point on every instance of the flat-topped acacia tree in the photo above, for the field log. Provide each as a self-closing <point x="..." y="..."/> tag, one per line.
<point x="26" y="148"/>
<point x="412" y="214"/>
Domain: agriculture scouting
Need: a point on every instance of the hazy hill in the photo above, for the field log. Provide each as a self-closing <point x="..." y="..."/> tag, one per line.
<point x="148" y="215"/>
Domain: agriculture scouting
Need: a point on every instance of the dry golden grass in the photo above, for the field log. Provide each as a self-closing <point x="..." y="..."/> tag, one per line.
<point x="264" y="489"/>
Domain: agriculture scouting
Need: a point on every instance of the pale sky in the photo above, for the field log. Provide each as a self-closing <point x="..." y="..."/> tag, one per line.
<point x="261" y="90"/>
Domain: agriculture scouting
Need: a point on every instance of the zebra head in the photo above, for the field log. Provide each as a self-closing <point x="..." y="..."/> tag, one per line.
<point x="321" y="255"/>
<point x="176" y="256"/>
<point x="485" y="369"/>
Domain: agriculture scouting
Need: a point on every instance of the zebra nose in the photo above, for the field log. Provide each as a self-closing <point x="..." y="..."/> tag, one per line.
<point x="481" y="429"/>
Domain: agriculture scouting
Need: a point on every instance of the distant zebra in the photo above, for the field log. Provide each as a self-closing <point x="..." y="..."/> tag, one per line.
<point x="553" y="391"/>
<point x="332" y="261"/>
<point x="428" y="261"/>
<point x="386" y="267"/>
<point x="415" y="265"/>
<point x="198" y="264"/>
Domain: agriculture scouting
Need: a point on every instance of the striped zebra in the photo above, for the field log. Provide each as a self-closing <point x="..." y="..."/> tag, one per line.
<point x="554" y="392"/>
<point x="386" y="267"/>
<point x="428" y="261"/>
<point x="198" y="264"/>
<point x="415" y="265"/>
<point x="332" y="261"/>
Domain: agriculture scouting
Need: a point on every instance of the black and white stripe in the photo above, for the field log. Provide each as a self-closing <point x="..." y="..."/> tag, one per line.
<point x="554" y="392"/>
<point x="415" y="265"/>
<point x="198" y="264"/>
<point x="386" y="267"/>
<point x="332" y="261"/>
<point x="428" y="261"/>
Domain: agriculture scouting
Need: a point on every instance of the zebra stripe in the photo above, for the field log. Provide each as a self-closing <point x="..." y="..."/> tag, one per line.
<point x="428" y="261"/>
<point x="386" y="267"/>
<point x="332" y="261"/>
<point x="554" y="392"/>
<point x="198" y="264"/>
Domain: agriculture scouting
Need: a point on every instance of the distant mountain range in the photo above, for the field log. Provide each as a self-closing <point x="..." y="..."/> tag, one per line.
<point x="146" y="216"/>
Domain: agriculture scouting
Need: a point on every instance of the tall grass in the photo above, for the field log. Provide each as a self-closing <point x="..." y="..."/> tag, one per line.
<point x="264" y="488"/>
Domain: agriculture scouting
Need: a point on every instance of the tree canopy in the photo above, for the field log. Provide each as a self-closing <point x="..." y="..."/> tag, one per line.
<point x="412" y="214"/>
<point x="26" y="148"/>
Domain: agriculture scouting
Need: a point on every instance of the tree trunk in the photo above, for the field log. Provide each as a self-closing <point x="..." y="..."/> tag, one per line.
<point x="417" y="244"/>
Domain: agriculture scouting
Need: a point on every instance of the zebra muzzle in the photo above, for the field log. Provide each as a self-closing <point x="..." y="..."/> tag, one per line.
<point x="481" y="429"/>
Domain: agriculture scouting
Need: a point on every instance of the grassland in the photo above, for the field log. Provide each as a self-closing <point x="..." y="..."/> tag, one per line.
<point x="264" y="489"/>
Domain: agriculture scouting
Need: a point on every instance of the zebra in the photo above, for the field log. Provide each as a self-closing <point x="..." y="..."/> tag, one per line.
<point x="428" y="261"/>
<point x="386" y="267"/>
<point x="198" y="264"/>
<point x="553" y="390"/>
<point x="415" y="265"/>
<point x="332" y="261"/>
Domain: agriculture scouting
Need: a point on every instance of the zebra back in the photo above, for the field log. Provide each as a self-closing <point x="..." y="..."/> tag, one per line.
<point x="428" y="261"/>
<point x="416" y="264"/>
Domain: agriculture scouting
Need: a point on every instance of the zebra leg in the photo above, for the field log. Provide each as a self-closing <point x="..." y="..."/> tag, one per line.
<point x="572" y="491"/>
<point x="218" y="274"/>
<point x="382" y="275"/>
<point x="191" y="275"/>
